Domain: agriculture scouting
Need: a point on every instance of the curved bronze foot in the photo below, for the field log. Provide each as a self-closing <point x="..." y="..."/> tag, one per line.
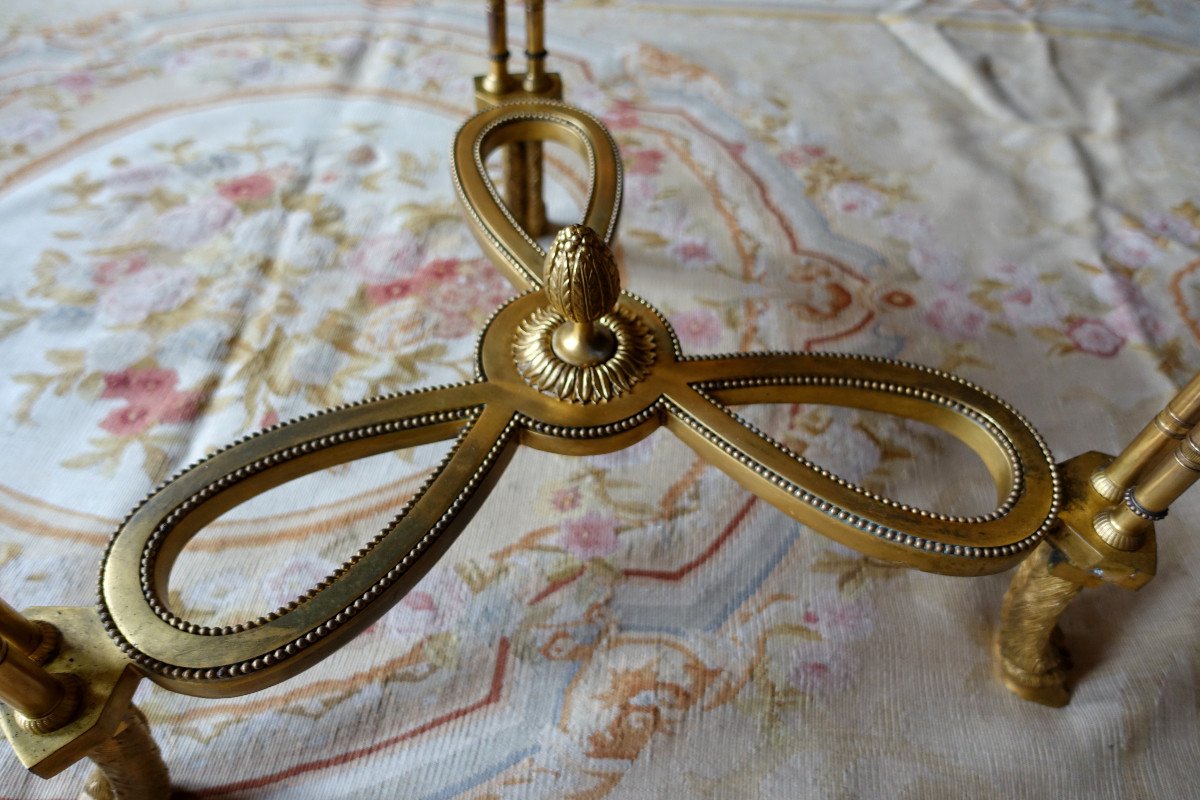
<point x="129" y="765"/>
<point x="1031" y="657"/>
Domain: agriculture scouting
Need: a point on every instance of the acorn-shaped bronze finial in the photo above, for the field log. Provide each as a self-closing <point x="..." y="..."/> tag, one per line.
<point x="582" y="284"/>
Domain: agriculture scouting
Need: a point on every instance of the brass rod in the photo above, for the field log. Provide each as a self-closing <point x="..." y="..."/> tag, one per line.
<point x="497" y="80"/>
<point x="1153" y="444"/>
<point x="516" y="185"/>
<point x="21" y="633"/>
<point x="1125" y="524"/>
<point x="535" y="202"/>
<point x="25" y="686"/>
<point x="536" y="79"/>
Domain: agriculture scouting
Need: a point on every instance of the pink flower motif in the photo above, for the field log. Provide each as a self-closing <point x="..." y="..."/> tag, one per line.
<point x="592" y="535"/>
<point x="380" y="259"/>
<point x="35" y="126"/>
<point x="1136" y="322"/>
<point x="910" y="226"/>
<point x="622" y="117"/>
<point x="692" y="252"/>
<point x="1173" y="226"/>
<point x="1131" y="247"/>
<point x="195" y="223"/>
<point x="437" y="604"/>
<point x="251" y="187"/>
<point x="109" y="272"/>
<point x="390" y="292"/>
<point x="1132" y="315"/>
<point x="856" y="199"/>
<point x="820" y="672"/>
<point x="180" y="406"/>
<point x="839" y="619"/>
<point x="136" y="296"/>
<point x="699" y="328"/>
<point x="140" y="386"/>
<point x="803" y="155"/>
<point x="269" y="419"/>
<point x="1026" y="300"/>
<point x="152" y="398"/>
<point x="438" y="270"/>
<point x="1094" y="337"/>
<point x="956" y="316"/>
<point x="81" y="82"/>
<point x="644" y="162"/>
<point x="461" y="303"/>
<point x="565" y="499"/>
<point x="129" y="420"/>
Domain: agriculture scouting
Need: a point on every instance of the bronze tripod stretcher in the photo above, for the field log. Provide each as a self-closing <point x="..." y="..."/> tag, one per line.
<point x="574" y="366"/>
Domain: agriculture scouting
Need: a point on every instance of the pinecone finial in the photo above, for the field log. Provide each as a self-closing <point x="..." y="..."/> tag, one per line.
<point x="582" y="284"/>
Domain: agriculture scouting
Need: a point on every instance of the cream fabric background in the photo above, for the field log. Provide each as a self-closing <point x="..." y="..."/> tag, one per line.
<point x="213" y="217"/>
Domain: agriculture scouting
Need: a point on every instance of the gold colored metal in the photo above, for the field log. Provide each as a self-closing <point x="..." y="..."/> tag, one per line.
<point x="575" y="366"/>
<point x="1089" y="560"/>
<point x="41" y="699"/>
<point x="517" y="168"/>
<point x="539" y="360"/>
<point x="523" y="163"/>
<point x="1031" y="657"/>
<point x="535" y="204"/>
<point x="129" y="765"/>
<point x="36" y="639"/>
<point x="489" y="416"/>
<point x="582" y="285"/>
<point x="1033" y="663"/>
<point x="536" y="81"/>
<point x="582" y="349"/>
<point x="1125" y="525"/>
<point x="497" y="81"/>
<point x="63" y="712"/>
<point x="1152" y="444"/>
<point x="110" y="680"/>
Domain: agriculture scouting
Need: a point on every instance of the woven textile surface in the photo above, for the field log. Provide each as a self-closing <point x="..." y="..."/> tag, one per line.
<point x="215" y="216"/>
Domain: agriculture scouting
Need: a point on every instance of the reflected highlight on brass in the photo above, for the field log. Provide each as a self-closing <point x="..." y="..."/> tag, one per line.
<point x="576" y="366"/>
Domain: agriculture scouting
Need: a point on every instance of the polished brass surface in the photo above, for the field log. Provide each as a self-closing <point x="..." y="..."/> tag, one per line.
<point x="497" y="81"/>
<point x="129" y="765"/>
<point x="1033" y="662"/>
<point x="575" y="366"/>
<point x="31" y="690"/>
<point x="603" y="374"/>
<point x="1125" y="525"/>
<point x="1031" y="657"/>
<point x="1090" y="560"/>
<point x="536" y="81"/>
<point x="36" y="639"/>
<point x="1160" y="436"/>
<point x="582" y="285"/>
<point x="65" y="710"/>
<point x="517" y="168"/>
<point x="523" y="162"/>
<point x="499" y="409"/>
<point x="535" y="202"/>
<point x="110" y="681"/>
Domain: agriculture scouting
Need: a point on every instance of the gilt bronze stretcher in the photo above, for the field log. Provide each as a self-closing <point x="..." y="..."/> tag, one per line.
<point x="575" y="366"/>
